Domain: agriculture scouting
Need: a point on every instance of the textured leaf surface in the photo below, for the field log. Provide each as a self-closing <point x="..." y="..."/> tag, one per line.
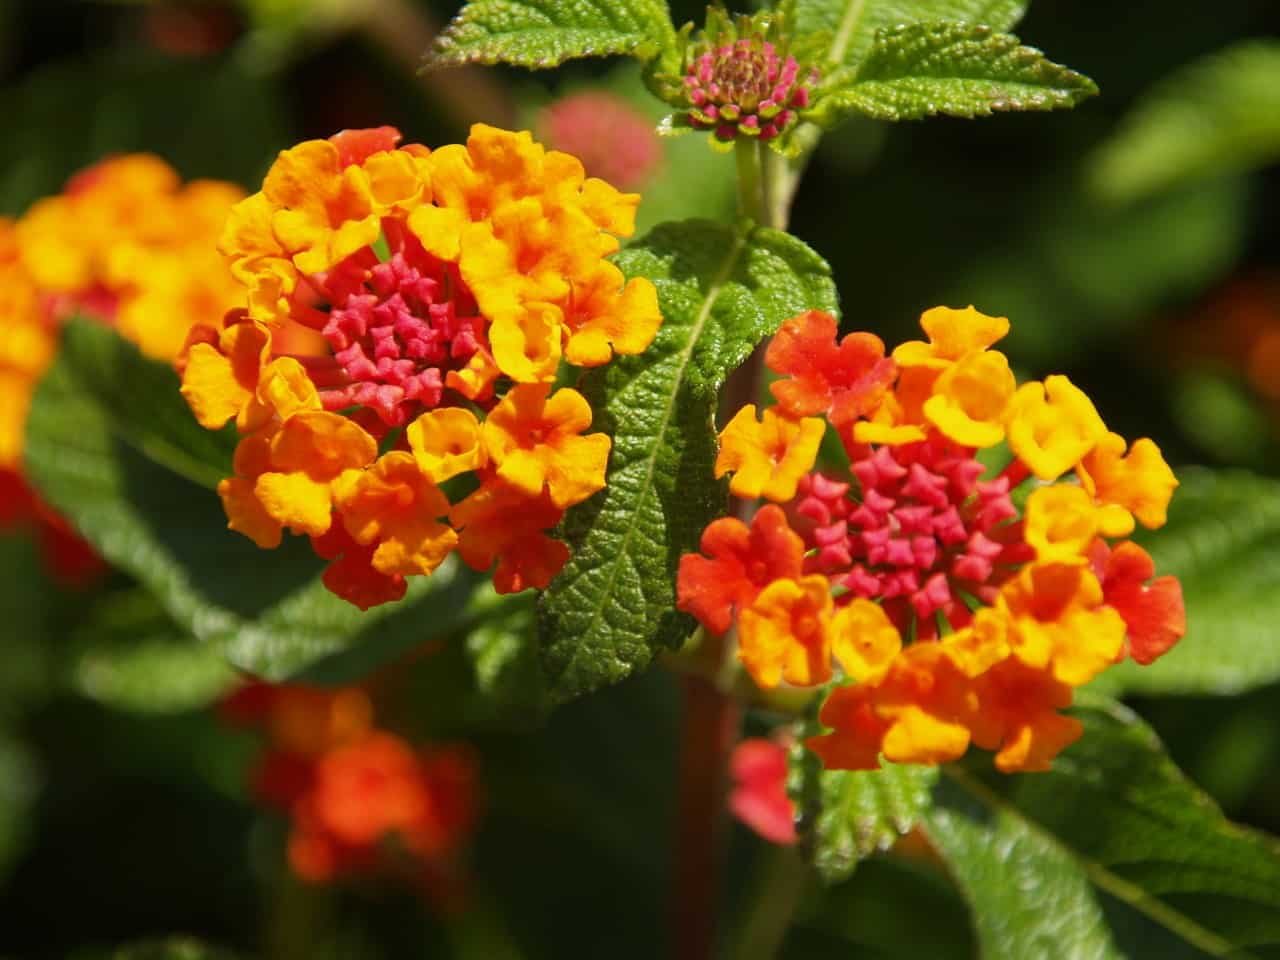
<point x="1222" y="541"/>
<point x="1218" y="115"/>
<point x="113" y="447"/>
<point x="853" y="24"/>
<point x="845" y="815"/>
<point x="1114" y="831"/>
<point x="721" y="292"/>
<point x="957" y="69"/>
<point x="546" y="33"/>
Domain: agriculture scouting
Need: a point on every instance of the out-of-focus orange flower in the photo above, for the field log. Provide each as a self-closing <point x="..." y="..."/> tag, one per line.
<point x="954" y="616"/>
<point x="28" y="345"/>
<point x="353" y="790"/>
<point x="127" y="244"/>
<point x="446" y="288"/>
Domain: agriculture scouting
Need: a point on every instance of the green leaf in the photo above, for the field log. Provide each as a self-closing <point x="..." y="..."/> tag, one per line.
<point x="1216" y="116"/>
<point x="546" y="33"/>
<point x="1112" y="853"/>
<point x="853" y="24"/>
<point x="721" y="292"/>
<point x="111" y="444"/>
<point x="504" y="657"/>
<point x="129" y="655"/>
<point x="1029" y="898"/>
<point x="961" y="70"/>
<point x="845" y="815"/>
<point x="1222" y="542"/>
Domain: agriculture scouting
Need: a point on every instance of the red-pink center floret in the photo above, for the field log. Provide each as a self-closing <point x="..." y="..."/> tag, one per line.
<point x="924" y="528"/>
<point x="397" y="328"/>
<point x="745" y="87"/>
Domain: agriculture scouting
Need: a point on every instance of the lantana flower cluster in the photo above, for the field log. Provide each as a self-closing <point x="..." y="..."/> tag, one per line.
<point x="361" y="799"/>
<point x="964" y="603"/>
<point x="441" y="290"/>
<point x="126" y="244"/>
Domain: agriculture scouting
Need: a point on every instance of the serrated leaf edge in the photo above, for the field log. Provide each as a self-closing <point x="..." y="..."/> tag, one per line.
<point x="714" y="289"/>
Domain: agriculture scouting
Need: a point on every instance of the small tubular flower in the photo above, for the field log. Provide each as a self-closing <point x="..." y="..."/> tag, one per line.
<point x="970" y="398"/>
<point x="953" y="335"/>
<point x="425" y="299"/>
<point x="917" y="713"/>
<point x="446" y="442"/>
<point x="311" y="450"/>
<point x="397" y="506"/>
<point x="1018" y="707"/>
<point x="500" y="523"/>
<point x="1140" y="483"/>
<point x="842" y="380"/>
<point x="740" y="561"/>
<point x="1058" y="620"/>
<point x="1152" y="609"/>
<point x="1060" y="524"/>
<point x="957" y="610"/>
<point x="786" y="633"/>
<point x="533" y="438"/>
<point x="351" y="574"/>
<point x="863" y="640"/>
<point x="1052" y="425"/>
<point x="767" y="457"/>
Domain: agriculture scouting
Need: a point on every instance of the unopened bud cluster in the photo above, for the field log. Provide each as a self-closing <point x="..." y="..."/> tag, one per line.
<point x="746" y="87"/>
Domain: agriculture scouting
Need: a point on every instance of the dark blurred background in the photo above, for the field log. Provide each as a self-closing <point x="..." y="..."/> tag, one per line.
<point x="1147" y="271"/>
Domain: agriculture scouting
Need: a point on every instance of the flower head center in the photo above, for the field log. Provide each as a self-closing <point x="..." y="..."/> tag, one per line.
<point x="397" y="328"/>
<point x="925" y="530"/>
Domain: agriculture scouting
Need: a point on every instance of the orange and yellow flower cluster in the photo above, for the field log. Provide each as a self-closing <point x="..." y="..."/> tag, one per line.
<point x="126" y="244"/>
<point x="961" y="618"/>
<point x="440" y="289"/>
<point x="351" y="787"/>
